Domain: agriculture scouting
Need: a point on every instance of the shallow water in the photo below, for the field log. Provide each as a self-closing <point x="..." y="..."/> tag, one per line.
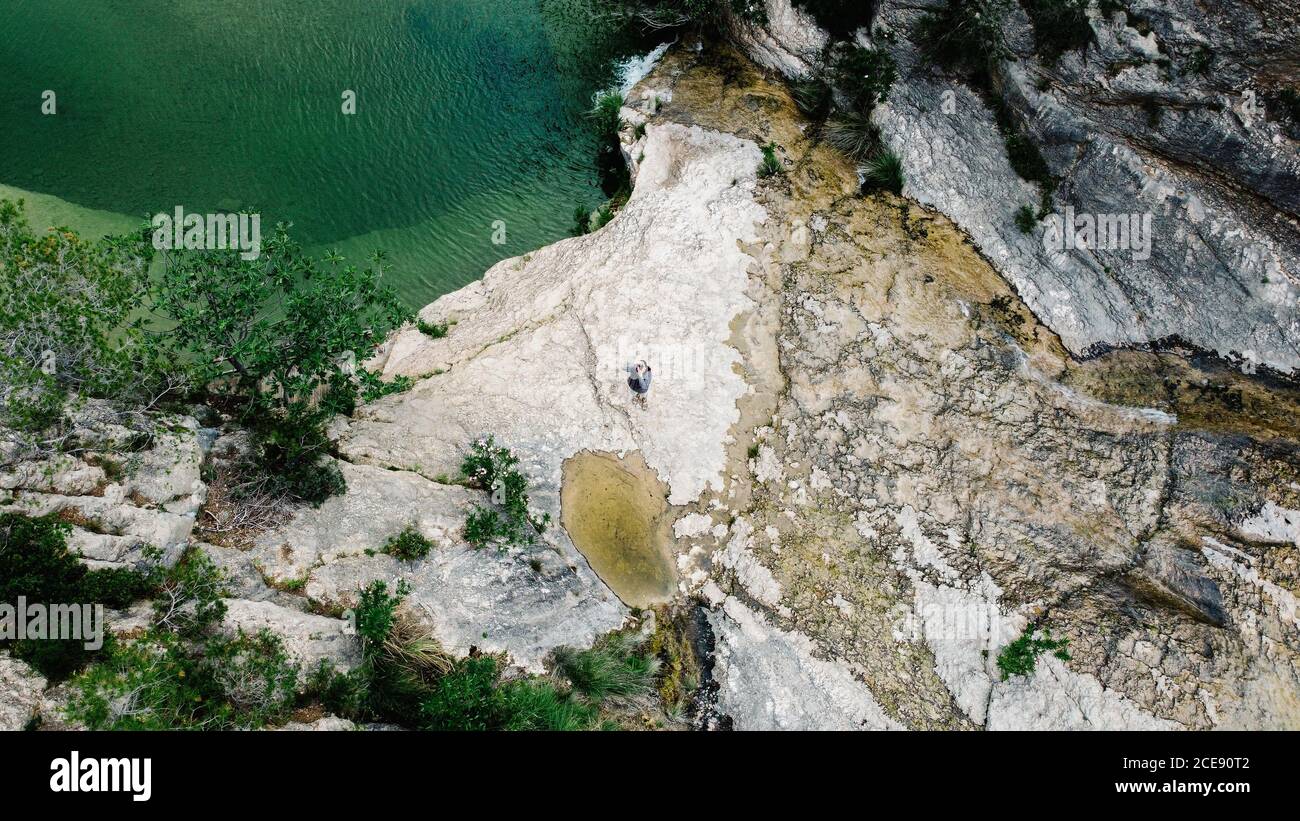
<point x="469" y="118"/>
<point x="616" y="512"/>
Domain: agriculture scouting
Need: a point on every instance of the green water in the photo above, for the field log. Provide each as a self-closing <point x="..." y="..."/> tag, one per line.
<point x="468" y="112"/>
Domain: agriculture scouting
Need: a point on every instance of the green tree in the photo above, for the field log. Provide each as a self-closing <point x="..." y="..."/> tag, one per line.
<point x="272" y="335"/>
<point x="69" y="324"/>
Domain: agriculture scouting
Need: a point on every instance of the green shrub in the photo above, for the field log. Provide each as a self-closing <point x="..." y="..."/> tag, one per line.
<point x="1026" y="219"/>
<point x="164" y="683"/>
<point x="1199" y="61"/>
<point x="376" y="613"/>
<point x="581" y="221"/>
<point x="606" y="116"/>
<point x="433" y="330"/>
<point x="842" y="18"/>
<point x="473" y="697"/>
<point x="1020" y="657"/>
<point x="965" y="35"/>
<point x="600" y="217"/>
<point x="373" y="386"/>
<point x="184" y="673"/>
<point x="483" y="527"/>
<point x="1022" y="153"/>
<point x="1026" y="160"/>
<point x="405" y="677"/>
<point x="272" y="332"/>
<point x="536" y="704"/>
<point x="770" y="166"/>
<point x="35" y="561"/>
<point x="189" y="600"/>
<point x="35" y="564"/>
<point x="492" y="468"/>
<point x="290" y="444"/>
<point x="884" y="171"/>
<point x="409" y="545"/>
<point x="670" y="14"/>
<point x="1059" y="25"/>
<point x="864" y="75"/>
<point x="1290" y="99"/>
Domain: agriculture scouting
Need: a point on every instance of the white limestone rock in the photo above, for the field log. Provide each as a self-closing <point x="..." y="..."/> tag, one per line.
<point x="308" y="639"/>
<point x="21" y="688"/>
<point x="770" y="679"/>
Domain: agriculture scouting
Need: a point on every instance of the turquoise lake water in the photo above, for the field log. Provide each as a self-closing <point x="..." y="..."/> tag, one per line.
<point x="469" y="113"/>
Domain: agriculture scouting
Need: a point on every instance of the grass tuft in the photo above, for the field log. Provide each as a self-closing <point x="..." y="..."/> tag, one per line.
<point x="854" y="135"/>
<point x="610" y="672"/>
<point x="771" y="165"/>
<point x="883" y="171"/>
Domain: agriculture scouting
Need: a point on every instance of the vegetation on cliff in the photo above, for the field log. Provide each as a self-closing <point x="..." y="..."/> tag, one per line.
<point x="263" y="338"/>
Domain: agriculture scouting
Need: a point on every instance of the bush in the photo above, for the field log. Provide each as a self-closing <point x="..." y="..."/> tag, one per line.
<point x="483" y="526"/>
<point x="164" y="683"/>
<point x="581" y="221"/>
<point x="408" y="545"/>
<point x="492" y="468"/>
<point x="600" y="217"/>
<point x="184" y="673"/>
<point x="1027" y="161"/>
<point x="884" y="171"/>
<point x="407" y="678"/>
<point x="373" y="386"/>
<point x="189" y="600"/>
<point x="965" y="35"/>
<point x="1020" y="657"/>
<point x="1290" y="99"/>
<point x="376" y="613"/>
<point x="433" y="330"/>
<point x="669" y="14"/>
<point x="473" y="697"/>
<point x="770" y="166"/>
<point x="1059" y="26"/>
<point x="1199" y="61"/>
<point x="842" y="18"/>
<point x="290" y="444"/>
<point x="1026" y="219"/>
<point x="35" y="564"/>
<point x="864" y="75"/>
<point x="606" y="116"/>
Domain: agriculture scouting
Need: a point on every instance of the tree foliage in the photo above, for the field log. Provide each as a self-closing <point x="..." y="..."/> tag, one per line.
<point x="265" y="337"/>
<point x="69" y="322"/>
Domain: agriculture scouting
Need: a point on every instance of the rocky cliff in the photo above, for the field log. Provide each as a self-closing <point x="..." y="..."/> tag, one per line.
<point x="1172" y="109"/>
<point x="878" y="457"/>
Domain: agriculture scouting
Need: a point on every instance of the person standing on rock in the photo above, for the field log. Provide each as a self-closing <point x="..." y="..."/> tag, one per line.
<point x="639" y="381"/>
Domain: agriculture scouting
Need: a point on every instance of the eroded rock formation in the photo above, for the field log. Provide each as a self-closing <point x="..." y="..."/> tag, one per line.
<point x="882" y="461"/>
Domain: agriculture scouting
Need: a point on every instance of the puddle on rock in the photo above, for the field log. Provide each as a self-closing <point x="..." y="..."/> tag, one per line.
<point x="616" y="511"/>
